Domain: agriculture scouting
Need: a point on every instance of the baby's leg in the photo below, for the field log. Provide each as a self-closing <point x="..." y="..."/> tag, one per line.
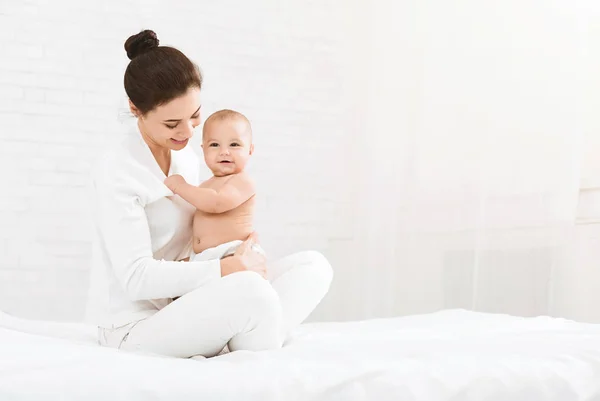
<point x="218" y="252"/>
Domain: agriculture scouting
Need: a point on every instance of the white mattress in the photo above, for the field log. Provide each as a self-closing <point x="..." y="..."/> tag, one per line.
<point x="449" y="355"/>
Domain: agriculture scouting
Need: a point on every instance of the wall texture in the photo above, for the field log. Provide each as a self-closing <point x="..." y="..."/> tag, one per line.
<point x="284" y="64"/>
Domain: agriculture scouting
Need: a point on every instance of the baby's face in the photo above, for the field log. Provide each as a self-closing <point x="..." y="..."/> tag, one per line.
<point x="227" y="146"/>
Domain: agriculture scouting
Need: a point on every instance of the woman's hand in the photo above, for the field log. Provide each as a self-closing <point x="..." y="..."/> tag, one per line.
<point x="245" y="259"/>
<point x="174" y="181"/>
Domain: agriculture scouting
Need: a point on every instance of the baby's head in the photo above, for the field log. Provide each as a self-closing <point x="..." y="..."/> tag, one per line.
<point x="227" y="142"/>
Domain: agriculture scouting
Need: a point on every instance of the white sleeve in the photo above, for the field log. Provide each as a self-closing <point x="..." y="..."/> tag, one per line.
<point x="125" y="234"/>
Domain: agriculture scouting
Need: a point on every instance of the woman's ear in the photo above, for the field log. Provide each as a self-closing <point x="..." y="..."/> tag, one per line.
<point x="134" y="110"/>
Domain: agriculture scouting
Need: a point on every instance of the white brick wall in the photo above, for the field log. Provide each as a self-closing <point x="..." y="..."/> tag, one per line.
<point x="285" y="64"/>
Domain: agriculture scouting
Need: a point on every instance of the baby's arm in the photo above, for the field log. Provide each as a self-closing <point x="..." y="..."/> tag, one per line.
<point x="234" y="192"/>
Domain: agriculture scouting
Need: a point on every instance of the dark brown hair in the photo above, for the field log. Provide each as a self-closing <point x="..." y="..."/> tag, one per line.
<point x="157" y="74"/>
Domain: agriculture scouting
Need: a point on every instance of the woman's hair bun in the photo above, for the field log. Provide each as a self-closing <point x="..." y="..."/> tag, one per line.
<point x="140" y="43"/>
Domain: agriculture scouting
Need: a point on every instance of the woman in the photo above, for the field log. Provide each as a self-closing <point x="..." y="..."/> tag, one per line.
<point x="143" y="236"/>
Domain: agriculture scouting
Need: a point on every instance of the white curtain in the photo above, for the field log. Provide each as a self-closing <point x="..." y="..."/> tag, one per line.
<point x="470" y="154"/>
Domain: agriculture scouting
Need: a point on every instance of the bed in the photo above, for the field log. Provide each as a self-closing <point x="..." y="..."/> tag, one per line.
<point x="447" y="355"/>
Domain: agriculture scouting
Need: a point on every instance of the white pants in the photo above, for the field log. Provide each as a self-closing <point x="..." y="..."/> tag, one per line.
<point x="241" y="310"/>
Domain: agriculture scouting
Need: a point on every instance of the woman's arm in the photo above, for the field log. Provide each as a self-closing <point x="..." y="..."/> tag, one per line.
<point x="237" y="190"/>
<point x="124" y="231"/>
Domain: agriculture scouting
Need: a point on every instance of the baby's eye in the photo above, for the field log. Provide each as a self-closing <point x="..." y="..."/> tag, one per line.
<point x="235" y="144"/>
<point x="213" y="145"/>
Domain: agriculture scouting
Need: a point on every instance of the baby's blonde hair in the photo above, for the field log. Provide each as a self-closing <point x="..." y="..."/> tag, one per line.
<point x="224" y="115"/>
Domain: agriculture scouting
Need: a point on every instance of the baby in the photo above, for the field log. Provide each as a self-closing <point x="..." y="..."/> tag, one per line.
<point x="225" y="202"/>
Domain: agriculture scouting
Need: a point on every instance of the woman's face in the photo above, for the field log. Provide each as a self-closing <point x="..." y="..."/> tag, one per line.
<point x="172" y="124"/>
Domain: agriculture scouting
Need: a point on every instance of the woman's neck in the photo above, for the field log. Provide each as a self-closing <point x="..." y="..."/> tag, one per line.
<point x="161" y="154"/>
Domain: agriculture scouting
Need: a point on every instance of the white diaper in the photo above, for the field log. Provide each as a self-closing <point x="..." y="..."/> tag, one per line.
<point x="221" y="251"/>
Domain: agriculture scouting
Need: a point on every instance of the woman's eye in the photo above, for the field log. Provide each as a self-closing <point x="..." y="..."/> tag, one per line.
<point x="171" y="126"/>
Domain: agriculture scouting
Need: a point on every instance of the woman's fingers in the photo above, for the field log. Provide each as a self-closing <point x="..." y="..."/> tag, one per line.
<point x="254" y="237"/>
<point x="244" y="247"/>
<point x="250" y="259"/>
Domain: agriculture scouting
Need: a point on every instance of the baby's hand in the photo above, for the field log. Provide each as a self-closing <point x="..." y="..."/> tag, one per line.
<point x="174" y="181"/>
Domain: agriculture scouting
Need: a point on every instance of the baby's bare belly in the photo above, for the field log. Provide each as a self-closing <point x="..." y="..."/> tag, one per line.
<point x="211" y="230"/>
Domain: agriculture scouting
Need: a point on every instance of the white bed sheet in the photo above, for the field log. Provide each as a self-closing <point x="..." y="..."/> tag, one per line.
<point x="449" y="355"/>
